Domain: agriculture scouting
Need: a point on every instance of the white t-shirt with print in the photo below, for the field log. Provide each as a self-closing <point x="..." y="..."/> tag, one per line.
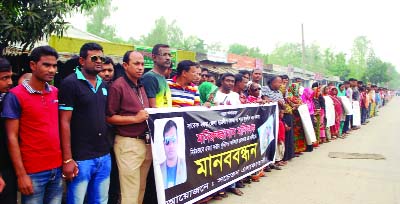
<point x="226" y="99"/>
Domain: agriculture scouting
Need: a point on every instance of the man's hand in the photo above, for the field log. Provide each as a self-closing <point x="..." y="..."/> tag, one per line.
<point x="142" y="115"/>
<point x="25" y="184"/>
<point x="2" y="184"/>
<point x="70" y="170"/>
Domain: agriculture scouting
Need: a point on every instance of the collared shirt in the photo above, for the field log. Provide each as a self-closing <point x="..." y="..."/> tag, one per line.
<point x="37" y="112"/>
<point x="90" y="134"/>
<point x="188" y="96"/>
<point x="274" y="95"/>
<point x="127" y="99"/>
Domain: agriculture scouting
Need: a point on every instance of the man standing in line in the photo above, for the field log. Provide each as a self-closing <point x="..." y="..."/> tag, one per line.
<point x="225" y="95"/>
<point x="84" y="133"/>
<point x="159" y="94"/>
<point x="126" y="103"/>
<point x="8" y="180"/>
<point x="31" y="112"/>
<point x="107" y="74"/>
<point x="183" y="91"/>
<point x="156" y="86"/>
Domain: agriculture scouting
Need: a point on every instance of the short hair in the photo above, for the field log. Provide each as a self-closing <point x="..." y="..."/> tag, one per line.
<point x="226" y="75"/>
<point x="352" y="79"/>
<point x="273" y="79"/>
<point x="157" y="47"/>
<point x="108" y="60"/>
<point x="244" y="72"/>
<point x="204" y="69"/>
<point x="361" y="88"/>
<point x="170" y="124"/>
<point x="126" y="56"/>
<point x="346" y="82"/>
<point x="41" y="51"/>
<point x="5" y="65"/>
<point x="256" y="69"/>
<point x="360" y="82"/>
<point x="184" y="66"/>
<point x="284" y="76"/>
<point x="238" y="78"/>
<point x="89" y="46"/>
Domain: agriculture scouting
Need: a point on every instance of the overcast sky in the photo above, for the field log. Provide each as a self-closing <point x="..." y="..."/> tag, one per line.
<point x="265" y="23"/>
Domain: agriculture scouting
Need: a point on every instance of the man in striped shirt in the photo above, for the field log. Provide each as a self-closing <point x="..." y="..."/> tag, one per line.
<point x="183" y="91"/>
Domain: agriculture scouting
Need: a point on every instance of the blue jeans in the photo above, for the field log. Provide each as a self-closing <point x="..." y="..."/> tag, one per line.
<point x="47" y="187"/>
<point x="93" y="179"/>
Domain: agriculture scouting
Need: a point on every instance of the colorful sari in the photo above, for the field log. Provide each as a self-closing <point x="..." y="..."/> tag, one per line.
<point x="338" y="113"/>
<point x="298" y="131"/>
<point x="288" y="120"/>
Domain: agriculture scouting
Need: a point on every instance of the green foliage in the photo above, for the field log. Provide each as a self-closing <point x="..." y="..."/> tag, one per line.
<point x="359" y="53"/>
<point x="26" y="22"/>
<point x="285" y="54"/>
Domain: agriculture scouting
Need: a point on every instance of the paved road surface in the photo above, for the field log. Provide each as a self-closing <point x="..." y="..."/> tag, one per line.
<point x="315" y="178"/>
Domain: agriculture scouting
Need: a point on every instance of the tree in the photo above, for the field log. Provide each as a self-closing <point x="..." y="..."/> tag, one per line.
<point x="288" y="53"/>
<point x="27" y="22"/>
<point x="359" y="53"/>
<point x="96" y="23"/>
<point x="164" y="33"/>
<point x="195" y="44"/>
<point x="238" y="49"/>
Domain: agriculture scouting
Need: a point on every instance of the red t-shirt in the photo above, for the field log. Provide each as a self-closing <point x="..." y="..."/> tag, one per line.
<point x="39" y="138"/>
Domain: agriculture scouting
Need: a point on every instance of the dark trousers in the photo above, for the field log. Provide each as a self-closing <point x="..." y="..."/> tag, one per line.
<point x="9" y="194"/>
<point x="347" y="123"/>
<point x="289" y="138"/>
<point x="364" y="113"/>
<point x="114" y="192"/>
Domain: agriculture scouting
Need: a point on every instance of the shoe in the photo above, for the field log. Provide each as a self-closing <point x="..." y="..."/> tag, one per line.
<point x="240" y="184"/>
<point x="235" y="191"/>
<point x="267" y="169"/>
<point x="273" y="166"/>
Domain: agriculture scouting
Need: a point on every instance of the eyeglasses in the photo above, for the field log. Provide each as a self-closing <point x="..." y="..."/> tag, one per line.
<point x="168" y="140"/>
<point x="138" y="63"/>
<point x="94" y="58"/>
<point x="165" y="54"/>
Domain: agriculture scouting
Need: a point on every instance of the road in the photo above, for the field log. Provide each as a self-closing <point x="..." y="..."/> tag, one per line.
<point x="314" y="178"/>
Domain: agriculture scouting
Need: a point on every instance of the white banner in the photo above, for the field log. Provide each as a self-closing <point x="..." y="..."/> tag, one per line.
<point x="329" y="111"/>
<point x="346" y="105"/>
<point x="307" y="124"/>
<point x="356" y="114"/>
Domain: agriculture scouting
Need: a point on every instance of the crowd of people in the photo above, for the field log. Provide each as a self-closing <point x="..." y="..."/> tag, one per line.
<point x="91" y="131"/>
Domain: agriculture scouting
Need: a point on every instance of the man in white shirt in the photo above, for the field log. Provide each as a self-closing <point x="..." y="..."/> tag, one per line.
<point x="225" y="95"/>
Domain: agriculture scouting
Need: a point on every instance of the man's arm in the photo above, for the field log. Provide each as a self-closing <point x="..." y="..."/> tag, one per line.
<point x="151" y="88"/>
<point x="24" y="181"/>
<point x="141" y="116"/>
<point x="70" y="168"/>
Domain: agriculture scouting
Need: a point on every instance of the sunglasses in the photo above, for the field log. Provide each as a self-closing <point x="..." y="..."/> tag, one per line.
<point x="204" y="75"/>
<point x="94" y="58"/>
<point x="257" y="89"/>
<point x="168" y="140"/>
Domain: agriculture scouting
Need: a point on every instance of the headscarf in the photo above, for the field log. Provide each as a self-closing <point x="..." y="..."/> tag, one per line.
<point x="205" y="90"/>
<point x="331" y="91"/>
<point x="307" y="98"/>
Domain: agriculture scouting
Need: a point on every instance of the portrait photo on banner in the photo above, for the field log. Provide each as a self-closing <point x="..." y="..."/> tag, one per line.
<point x="169" y="152"/>
<point x="266" y="133"/>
